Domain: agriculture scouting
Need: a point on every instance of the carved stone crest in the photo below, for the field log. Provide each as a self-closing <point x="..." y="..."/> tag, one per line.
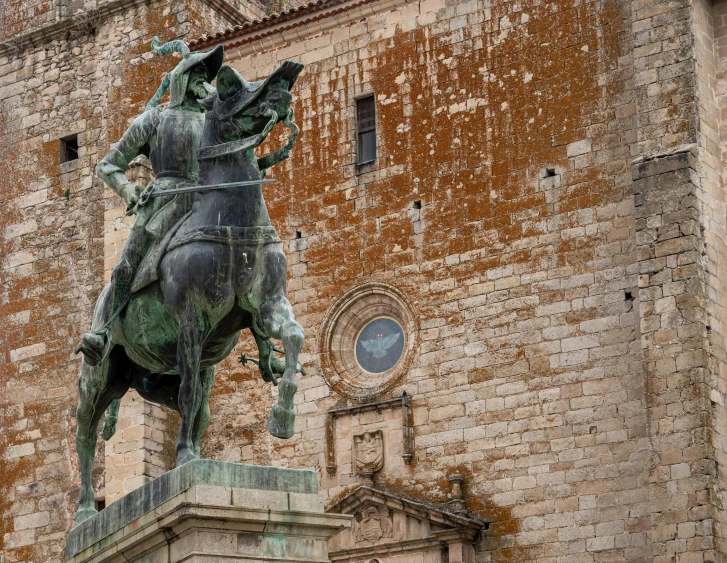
<point x="372" y="524"/>
<point x="369" y="453"/>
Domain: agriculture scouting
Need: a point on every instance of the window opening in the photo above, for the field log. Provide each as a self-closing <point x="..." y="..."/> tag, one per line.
<point x="69" y="148"/>
<point x="366" y="129"/>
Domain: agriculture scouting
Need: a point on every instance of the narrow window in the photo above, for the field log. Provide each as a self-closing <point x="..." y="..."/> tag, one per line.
<point x="69" y="148"/>
<point x="366" y="129"/>
<point x="100" y="504"/>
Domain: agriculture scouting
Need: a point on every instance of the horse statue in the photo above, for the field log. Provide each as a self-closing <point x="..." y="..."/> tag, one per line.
<point x="221" y="270"/>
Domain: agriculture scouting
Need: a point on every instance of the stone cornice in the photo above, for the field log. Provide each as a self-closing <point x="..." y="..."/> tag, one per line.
<point x="229" y="12"/>
<point x="417" y="509"/>
<point x="452" y="527"/>
<point x="295" y="25"/>
<point x="50" y="32"/>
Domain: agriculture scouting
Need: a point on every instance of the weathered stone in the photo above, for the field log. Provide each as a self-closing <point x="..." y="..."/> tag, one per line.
<point x="189" y="479"/>
<point x="190" y="513"/>
<point x="484" y="152"/>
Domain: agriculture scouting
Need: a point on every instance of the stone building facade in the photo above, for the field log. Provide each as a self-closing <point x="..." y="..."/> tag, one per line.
<point x="544" y="221"/>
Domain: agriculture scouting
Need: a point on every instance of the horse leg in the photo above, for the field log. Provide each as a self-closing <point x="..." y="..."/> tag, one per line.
<point x="279" y="322"/>
<point x="112" y="417"/>
<point x="193" y="328"/>
<point x="202" y="420"/>
<point x="98" y="386"/>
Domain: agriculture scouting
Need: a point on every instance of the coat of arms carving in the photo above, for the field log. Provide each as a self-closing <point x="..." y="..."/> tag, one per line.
<point x="369" y="451"/>
<point x="373" y="523"/>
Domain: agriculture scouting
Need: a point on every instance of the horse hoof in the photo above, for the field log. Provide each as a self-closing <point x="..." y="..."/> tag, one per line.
<point x="281" y="422"/>
<point x="84" y="514"/>
<point x="185" y="457"/>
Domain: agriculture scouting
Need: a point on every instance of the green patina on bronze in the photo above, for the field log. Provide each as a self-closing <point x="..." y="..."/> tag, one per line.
<point x="197" y="268"/>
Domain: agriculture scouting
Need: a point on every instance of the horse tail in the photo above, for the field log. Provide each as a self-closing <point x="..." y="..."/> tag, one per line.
<point x="112" y="416"/>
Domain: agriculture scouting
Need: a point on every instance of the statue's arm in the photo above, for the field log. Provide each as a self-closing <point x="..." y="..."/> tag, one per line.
<point x="111" y="168"/>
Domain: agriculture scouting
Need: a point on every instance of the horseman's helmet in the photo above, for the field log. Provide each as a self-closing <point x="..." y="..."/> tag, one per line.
<point x="176" y="81"/>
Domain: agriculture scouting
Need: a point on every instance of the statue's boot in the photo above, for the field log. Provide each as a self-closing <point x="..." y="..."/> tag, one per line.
<point x="95" y="344"/>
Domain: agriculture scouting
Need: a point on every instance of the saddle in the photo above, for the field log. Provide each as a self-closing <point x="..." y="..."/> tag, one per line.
<point x="148" y="271"/>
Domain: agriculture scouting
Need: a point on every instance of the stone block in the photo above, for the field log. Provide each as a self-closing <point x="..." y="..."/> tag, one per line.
<point x="212" y="510"/>
<point x="254" y="498"/>
<point x="181" y="482"/>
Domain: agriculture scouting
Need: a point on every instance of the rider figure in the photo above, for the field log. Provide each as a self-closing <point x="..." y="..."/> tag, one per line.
<point x="170" y="138"/>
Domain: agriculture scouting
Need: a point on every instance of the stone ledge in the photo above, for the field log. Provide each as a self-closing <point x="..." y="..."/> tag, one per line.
<point x="189" y="478"/>
<point x="659" y="162"/>
<point x="191" y="527"/>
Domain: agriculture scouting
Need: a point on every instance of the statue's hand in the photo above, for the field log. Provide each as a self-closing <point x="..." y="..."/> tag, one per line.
<point x="130" y="194"/>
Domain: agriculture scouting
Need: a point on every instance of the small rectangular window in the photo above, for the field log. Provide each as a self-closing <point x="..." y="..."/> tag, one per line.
<point x="366" y="129"/>
<point x="69" y="148"/>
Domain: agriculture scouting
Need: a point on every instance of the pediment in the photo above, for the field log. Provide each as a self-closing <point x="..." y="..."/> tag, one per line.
<point x="383" y="519"/>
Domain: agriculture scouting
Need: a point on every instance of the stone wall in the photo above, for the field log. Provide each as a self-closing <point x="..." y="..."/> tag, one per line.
<point x="709" y="34"/>
<point x="674" y="336"/>
<point x="547" y="201"/>
<point x="52" y="231"/>
<point x="544" y="374"/>
<point x="501" y="206"/>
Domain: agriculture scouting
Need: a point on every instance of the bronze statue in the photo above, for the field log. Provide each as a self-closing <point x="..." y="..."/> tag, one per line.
<point x="170" y="139"/>
<point x="202" y="261"/>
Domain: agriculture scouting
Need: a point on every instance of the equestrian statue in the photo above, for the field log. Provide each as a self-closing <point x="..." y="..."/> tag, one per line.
<point x="202" y="261"/>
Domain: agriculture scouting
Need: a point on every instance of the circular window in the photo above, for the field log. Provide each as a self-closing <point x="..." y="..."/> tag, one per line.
<point x="379" y="345"/>
<point x="367" y="341"/>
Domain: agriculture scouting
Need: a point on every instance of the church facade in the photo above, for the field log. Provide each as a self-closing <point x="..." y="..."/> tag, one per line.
<point x="505" y="229"/>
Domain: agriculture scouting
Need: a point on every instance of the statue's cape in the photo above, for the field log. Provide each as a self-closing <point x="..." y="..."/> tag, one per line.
<point x="245" y="93"/>
<point x="162" y="226"/>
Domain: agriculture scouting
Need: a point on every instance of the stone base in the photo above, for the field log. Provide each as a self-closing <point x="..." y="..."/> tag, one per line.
<point x="209" y="511"/>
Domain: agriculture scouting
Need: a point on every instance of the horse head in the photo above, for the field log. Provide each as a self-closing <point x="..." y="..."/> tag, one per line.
<point x="240" y="116"/>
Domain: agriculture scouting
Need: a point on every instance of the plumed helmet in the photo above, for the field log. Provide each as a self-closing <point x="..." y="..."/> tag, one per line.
<point x="176" y="81"/>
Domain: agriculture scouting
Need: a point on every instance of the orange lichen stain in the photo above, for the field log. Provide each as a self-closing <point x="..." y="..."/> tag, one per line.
<point x="13" y="472"/>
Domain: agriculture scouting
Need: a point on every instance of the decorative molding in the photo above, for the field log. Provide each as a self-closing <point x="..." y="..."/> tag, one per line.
<point x="342" y="324"/>
<point x="403" y="402"/>
<point x="457" y="504"/>
<point x="447" y="528"/>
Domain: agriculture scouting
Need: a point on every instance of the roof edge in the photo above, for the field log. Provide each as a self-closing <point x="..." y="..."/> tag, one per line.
<point x="258" y="29"/>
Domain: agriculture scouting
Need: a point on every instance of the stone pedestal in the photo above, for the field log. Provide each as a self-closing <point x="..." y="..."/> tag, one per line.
<point x="209" y="511"/>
